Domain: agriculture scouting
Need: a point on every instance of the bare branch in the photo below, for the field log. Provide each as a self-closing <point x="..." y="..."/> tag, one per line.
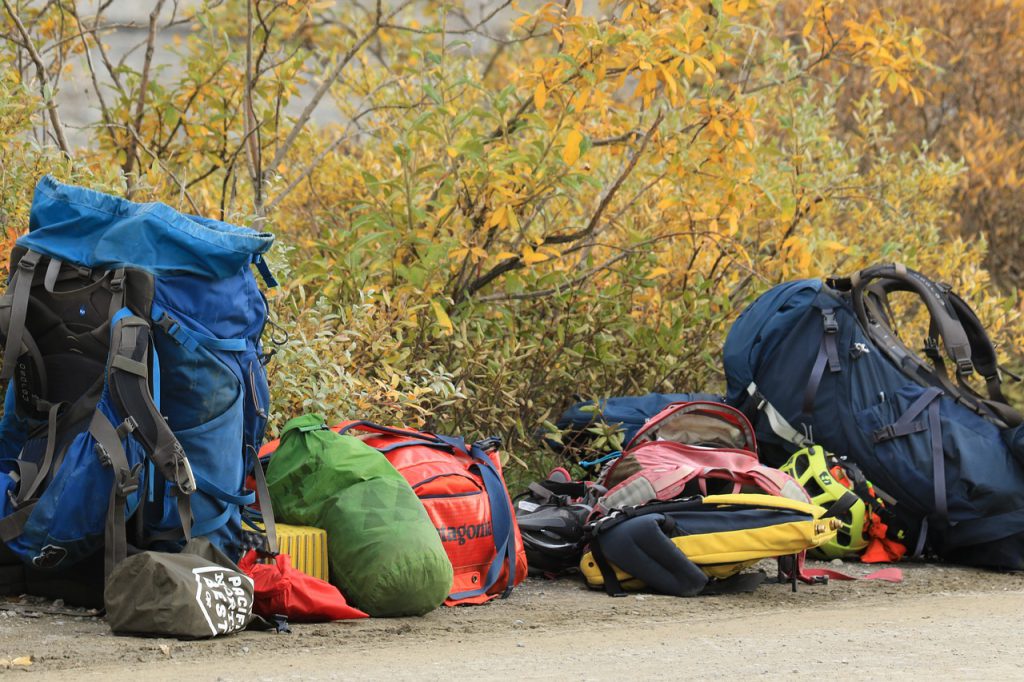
<point x="565" y="286"/>
<point x="252" y="144"/>
<point x="140" y="103"/>
<point x="44" y="81"/>
<point x="609" y="194"/>
<point x="379" y="21"/>
<point x="104" y="110"/>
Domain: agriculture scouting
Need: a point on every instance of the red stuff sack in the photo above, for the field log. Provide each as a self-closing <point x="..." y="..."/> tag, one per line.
<point x="282" y="589"/>
<point x="463" y="490"/>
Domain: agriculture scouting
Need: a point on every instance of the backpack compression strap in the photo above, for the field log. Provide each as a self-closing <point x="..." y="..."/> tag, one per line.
<point x="15" y="308"/>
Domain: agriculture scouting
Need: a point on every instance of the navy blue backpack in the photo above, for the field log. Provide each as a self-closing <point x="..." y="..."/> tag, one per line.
<point x="131" y="339"/>
<point x="628" y="413"/>
<point x="821" y="362"/>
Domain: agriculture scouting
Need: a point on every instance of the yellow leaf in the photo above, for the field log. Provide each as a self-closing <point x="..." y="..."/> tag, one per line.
<point x="657" y="272"/>
<point x="442" y="317"/>
<point x="579" y="8"/>
<point x="540" y="96"/>
<point x="452" y="152"/>
<point x="688" y="67"/>
<point x="717" y="128"/>
<point x="571" y="152"/>
<point x="530" y="256"/>
<point x="505" y="255"/>
<point x="498" y="218"/>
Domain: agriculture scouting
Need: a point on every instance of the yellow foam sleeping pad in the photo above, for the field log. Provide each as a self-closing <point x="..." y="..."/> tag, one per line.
<point x="724" y="534"/>
<point x="307" y="547"/>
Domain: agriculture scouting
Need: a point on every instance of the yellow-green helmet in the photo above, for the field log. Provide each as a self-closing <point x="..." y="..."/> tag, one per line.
<point x="810" y="469"/>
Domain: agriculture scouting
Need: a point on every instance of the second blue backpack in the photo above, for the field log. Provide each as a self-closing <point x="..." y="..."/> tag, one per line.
<point x="821" y="362"/>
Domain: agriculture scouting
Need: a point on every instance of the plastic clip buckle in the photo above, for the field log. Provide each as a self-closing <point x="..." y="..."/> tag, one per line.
<point x="102" y="454"/>
<point x="831" y="324"/>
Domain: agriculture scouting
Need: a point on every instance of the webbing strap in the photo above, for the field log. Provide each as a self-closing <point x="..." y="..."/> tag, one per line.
<point x="28" y="488"/>
<point x="116" y="292"/>
<point x="922" y="537"/>
<point x="266" y="506"/>
<point x="19" y="308"/>
<point x="779" y="425"/>
<point x="611" y="582"/>
<point x="13" y="524"/>
<point x="52" y="275"/>
<point x="190" y="338"/>
<point x="814" y="382"/>
<point x="431" y="440"/>
<point x="185" y="513"/>
<point x="208" y="487"/>
<point x="264" y="270"/>
<point x="908" y="422"/>
<point x="130" y="366"/>
<point x="503" y="529"/>
<point x="126" y="481"/>
<point x="938" y="461"/>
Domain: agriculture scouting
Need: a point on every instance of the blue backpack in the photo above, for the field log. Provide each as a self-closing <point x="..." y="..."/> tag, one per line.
<point x="131" y="339"/>
<point x="628" y="413"/>
<point x="821" y="362"/>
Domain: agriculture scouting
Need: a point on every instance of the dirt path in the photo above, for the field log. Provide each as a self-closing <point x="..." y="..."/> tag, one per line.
<point x="941" y="620"/>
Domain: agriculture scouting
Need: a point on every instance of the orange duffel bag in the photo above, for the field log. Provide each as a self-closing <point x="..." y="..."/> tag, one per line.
<point x="463" y="490"/>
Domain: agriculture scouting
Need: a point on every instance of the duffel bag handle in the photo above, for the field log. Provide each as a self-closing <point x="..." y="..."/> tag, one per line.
<point x="418" y="438"/>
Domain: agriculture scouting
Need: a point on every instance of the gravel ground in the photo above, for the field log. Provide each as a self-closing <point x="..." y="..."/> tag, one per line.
<point x="941" y="620"/>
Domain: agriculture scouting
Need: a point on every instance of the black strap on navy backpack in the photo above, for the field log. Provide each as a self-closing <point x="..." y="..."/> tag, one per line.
<point x="952" y="321"/>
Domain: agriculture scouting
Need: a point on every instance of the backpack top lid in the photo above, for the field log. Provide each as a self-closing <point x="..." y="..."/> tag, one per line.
<point x="759" y="329"/>
<point x="97" y="230"/>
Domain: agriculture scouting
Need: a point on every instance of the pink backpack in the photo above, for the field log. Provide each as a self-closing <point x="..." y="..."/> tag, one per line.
<point x="692" y="448"/>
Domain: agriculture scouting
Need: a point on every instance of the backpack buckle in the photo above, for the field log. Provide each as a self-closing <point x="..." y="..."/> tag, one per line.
<point x="117" y="281"/>
<point x="830" y="322"/>
<point x="102" y="454"/>
<point x="883" y="434"/>
<point x="965" y="367"/>
<point x="129" y="425"/>
<point x="128" y="480"/>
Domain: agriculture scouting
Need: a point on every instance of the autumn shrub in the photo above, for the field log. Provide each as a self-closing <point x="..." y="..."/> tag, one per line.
<point x="512" y="206"/>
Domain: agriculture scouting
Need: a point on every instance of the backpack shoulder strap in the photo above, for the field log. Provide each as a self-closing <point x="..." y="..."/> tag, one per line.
<point x="951" y="320"/>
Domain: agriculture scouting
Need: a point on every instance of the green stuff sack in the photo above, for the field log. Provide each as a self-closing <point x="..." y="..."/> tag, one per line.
<point x="385" y="555"/>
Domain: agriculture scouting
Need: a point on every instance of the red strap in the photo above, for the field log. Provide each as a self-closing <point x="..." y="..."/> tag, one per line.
<point x="891" y="575"/>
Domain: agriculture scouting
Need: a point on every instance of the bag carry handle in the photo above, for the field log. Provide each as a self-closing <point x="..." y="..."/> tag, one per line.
<point x="425" y="439"/>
